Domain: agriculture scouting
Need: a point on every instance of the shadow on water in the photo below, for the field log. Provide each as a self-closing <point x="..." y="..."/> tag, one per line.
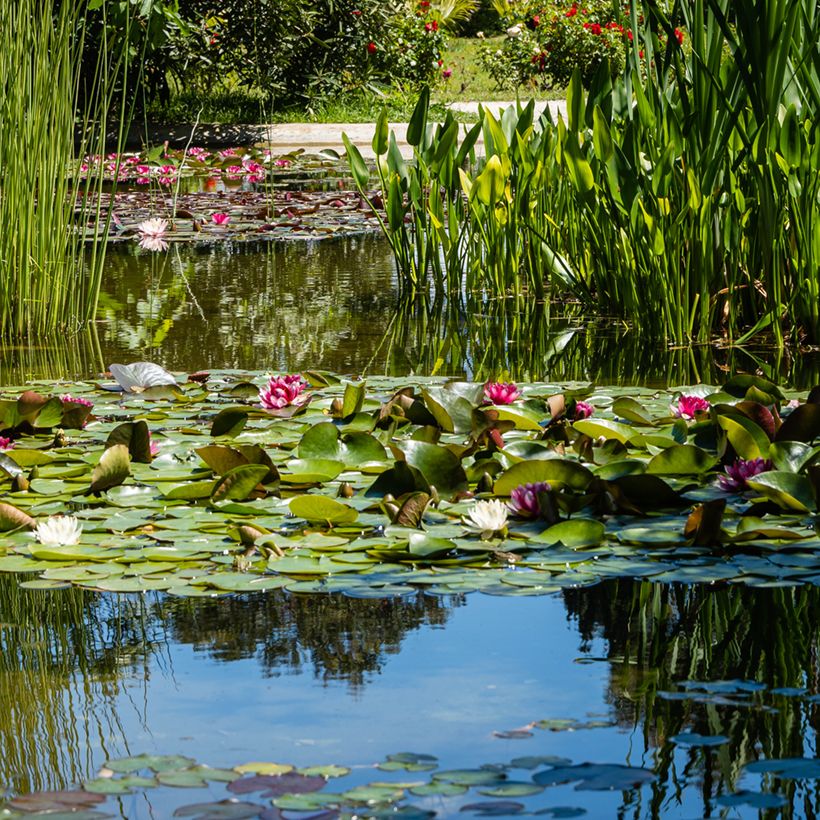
<point x="76" y="664"/>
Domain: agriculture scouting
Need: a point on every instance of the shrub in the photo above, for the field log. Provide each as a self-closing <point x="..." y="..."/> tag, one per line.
<point x="296" y="52"/>
<point x="545" y="44"/>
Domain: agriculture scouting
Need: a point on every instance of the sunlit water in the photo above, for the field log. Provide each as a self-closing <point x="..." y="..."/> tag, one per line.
<point x="318" y="680"/>
<point x="307" y="680"/>
<point x="334" y="304"/>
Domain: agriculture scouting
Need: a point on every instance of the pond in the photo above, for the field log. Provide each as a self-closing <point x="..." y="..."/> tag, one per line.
<point x="625" y="699"/>
<point x="334" y="304"/>
<point x="671" y="691"/>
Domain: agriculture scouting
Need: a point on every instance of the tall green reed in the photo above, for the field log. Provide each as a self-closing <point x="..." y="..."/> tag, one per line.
<point x="47" y="206"/>
<point x="680" y="197"/>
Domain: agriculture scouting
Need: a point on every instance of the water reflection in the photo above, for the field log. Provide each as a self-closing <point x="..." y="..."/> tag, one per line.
<point x="86" y="676"/>
<point x="659" y="636"/>
<point x="334" y="305"/>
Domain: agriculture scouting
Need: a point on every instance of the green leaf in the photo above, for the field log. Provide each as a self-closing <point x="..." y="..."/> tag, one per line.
<point x="136" y="437"/>
<point x="113" y="468"/>
<point x="802" y="424"/>
<point x="595" y="428"/>
<point x="682" y="459"/>
<point x="239" y="482"/>
<point x="358" y="167"/>
<point x="418" y="119"/>
<point x="576" y="532"/>
<point x="422" y="545"/>
<point x="229" y="422"/>
<point x="552" y="470"/>
<point x="747" y="438"/>
<point x="380" y="136"/>
<point x="440" y="466"/>
<point x="787" y="490"/>
<point x="322" y="509"/>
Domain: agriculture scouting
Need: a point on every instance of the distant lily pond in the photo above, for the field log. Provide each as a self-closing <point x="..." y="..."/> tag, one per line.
<point x="228" y="482"/>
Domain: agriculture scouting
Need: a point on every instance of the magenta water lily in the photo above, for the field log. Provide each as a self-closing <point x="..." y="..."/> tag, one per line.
<point x="583" y="410"/>
<point x="501" y="392"/>
<point x="524" y="499"/>
<point x="282" y="391"/>
<point x="738" y="473"/>
<point x="688" y="406"/>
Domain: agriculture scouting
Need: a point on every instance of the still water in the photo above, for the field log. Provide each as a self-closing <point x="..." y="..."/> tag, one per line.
<point x="681" y="687"/>
<point x="321" y="680"/>
<point x="334" y="305"/>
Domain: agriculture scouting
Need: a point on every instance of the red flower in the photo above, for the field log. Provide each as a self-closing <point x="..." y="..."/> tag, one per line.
<point x="536" y="20"/>
<point x="572" y="12"/>
<point x="595" y="28"/>
<point x="356" y="13"/>
<point x="371" y="47"/>
<point x="679" y="36"/>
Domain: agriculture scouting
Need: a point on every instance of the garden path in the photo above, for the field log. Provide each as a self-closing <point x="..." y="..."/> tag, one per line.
<point x="312" y="137"/>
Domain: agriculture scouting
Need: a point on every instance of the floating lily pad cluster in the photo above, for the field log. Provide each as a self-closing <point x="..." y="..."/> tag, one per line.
<point x="265" y="790"/>
<point x="164" y="166"/>
<point x="379" y="488"/>
<point x="240" y="215"/>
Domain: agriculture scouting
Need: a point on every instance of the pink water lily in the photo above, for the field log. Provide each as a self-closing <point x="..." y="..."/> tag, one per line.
<point x="220" y="219"/>
<point x="687" y="406"/>
<point x="6" y="443"/>
<point x="524" y="499"/>
<point x="68" y="398"/>
<point x="583" y="410"/>
<point x="501" y="392"/>
<point x="152" y="234"/>
<point x="740" y="472"/>
<point x="282" y="391"/>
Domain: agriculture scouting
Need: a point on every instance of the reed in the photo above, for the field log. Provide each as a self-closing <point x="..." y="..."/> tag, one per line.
<point x="681" y="197"/>
<point x="48" y="281"/>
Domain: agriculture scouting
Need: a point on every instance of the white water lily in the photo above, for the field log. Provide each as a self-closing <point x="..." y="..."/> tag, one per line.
<point x="152" y="234"/>
<point x="59" y="531"/>
<point x="486" y="517"/>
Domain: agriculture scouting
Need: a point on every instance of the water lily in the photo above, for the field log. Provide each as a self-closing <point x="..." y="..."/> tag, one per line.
<point x="282" y="391"/>
<point x="6" y="443"/>
<point x="486" y="518"/>
<point x="59" y="531"/>
<point x="152" y="234"/>
<point x="687" y="406"/>
<point x="583" y="410"/>
<point x="67" y="398"/>
<point x="220" y="219"/>
<point x="524" y="499"/>
<point x="740" y="472"/>
<point x="501" y="392"/>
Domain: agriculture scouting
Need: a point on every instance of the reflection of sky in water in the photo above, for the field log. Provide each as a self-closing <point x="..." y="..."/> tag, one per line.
<point x="230" y="681"/>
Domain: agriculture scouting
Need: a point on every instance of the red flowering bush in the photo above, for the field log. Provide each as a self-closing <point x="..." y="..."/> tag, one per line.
<point x="298" y="51"/>
<point x="546" y="42"/>
<point x="414" y="46"/>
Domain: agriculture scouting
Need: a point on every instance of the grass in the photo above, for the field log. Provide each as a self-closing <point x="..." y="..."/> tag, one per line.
<point x="236" y="104"/>
<point x="471" y="82"/>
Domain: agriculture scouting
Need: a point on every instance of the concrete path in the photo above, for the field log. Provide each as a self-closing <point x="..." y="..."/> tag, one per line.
<point x="312" y="137"/>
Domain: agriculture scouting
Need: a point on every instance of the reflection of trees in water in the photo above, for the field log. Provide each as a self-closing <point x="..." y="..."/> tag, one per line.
<point x="532" y="341"/>
<point x="294" y="305"/>
<point x="69" y="659"/>
<point x="659" y="635"/>
<point x="63" y="657"/>
<point x="341" y="638"/>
